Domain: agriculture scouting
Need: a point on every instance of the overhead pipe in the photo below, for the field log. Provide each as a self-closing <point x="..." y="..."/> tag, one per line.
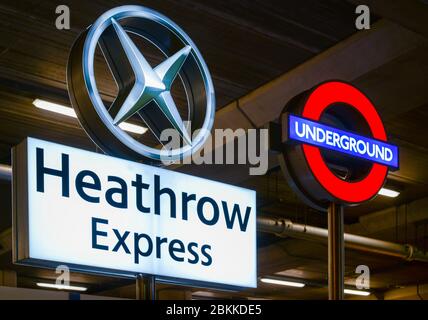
<point x="287" y="228"/>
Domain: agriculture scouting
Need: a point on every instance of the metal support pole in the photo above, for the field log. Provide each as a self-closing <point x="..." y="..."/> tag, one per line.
<point x="336" y="252"/>
<point x="145" y="287"/>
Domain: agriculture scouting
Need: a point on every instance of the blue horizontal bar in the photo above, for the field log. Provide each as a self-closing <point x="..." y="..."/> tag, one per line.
<point x="321" y="135"/>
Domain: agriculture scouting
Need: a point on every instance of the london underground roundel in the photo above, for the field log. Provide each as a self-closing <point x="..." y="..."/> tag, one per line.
<point x="145" y="84"/>
<point x="336" y="146"/>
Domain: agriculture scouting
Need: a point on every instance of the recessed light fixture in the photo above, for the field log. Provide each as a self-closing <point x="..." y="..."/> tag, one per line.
<point x="356" y="292"/>
<point x="60" y="286"/>
<point x="69" y="112"/>
<point x="54" y="107"/>
<point x="133" y="128"/>
<point x="283" y="282"/>
<point x="389" y="193"/>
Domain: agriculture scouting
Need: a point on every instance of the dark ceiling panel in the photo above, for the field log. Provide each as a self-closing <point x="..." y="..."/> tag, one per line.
<point x="245" y="43"/>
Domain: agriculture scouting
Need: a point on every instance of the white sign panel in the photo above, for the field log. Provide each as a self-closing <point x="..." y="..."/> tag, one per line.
<point x="103" y="214"/>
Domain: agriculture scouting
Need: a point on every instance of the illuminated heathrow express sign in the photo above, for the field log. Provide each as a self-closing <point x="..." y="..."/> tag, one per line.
<point x="97" y="213"/>
<point x="324" y="158"/>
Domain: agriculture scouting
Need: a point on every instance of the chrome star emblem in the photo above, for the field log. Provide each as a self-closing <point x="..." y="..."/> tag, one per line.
<point x="144" y="91"/>
<point x="151" y="84"/>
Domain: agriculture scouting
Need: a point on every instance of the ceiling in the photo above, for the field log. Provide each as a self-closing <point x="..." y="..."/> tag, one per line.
<point x="246" y="44"/>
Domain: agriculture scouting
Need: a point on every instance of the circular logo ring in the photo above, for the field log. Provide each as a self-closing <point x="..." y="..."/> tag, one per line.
<point x="322" y="97"/>
<point x="305" y="166"/>
<point x="98" y="122"/>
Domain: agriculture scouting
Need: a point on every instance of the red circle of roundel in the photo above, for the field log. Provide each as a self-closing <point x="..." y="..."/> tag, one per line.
<point x="322" y="97"/>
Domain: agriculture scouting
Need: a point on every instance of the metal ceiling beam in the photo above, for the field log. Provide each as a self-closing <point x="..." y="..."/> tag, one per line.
<point x="349" y="60"/>
<point x="381" y="223"/>
<point x="367" y="50"/>
<point x="415" y="292"/>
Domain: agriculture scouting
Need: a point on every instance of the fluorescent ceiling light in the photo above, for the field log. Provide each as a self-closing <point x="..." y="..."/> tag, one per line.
<point x="389" y="193"/>
<point x="67" y="111"/>
<point x="301" y="285"/>
<point x="356" y="292"/>
<point x="46" y="105"/>
<point x="283" y="282"/>
<point x="60" y="286"/>
<point x="132" y="128"/>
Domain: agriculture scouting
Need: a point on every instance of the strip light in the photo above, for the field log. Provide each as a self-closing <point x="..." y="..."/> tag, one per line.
<point x="54" y="107"/>
<point x="389" y="193"/>
<point x="60" y="286"/>
<point x="357" y="292"/>
<point x="283" y="282"/>
<point x="301" y="285"/>
<point x="69" y="112"/>
<point x="133" y="128"/>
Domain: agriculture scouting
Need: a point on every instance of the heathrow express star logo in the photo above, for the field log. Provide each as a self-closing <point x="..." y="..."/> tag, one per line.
<point x="151" y="84"/>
